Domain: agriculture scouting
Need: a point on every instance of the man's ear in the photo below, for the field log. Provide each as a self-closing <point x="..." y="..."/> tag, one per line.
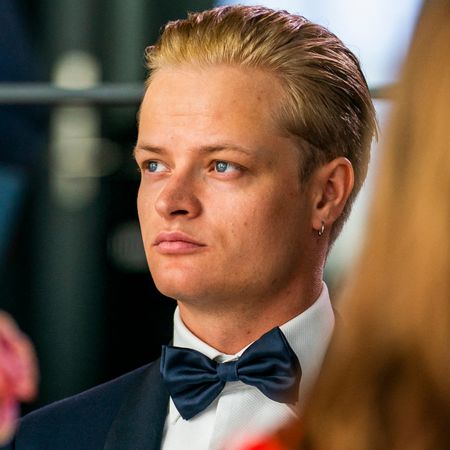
<point x="331" y="187"/>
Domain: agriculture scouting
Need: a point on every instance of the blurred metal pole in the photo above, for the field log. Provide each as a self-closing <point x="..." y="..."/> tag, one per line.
<point x="128" y="27"/>
<point x="68" y="248"/>
<point x="118" y="94"/>
<point x="69" y="25"/>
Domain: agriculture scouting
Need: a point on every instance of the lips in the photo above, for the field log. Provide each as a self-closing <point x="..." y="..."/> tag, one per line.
<point x="174" y="242"/>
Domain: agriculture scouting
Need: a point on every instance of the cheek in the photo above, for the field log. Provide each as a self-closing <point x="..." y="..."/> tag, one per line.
<point x="141" y="208"/>
<point x="146" y="210"/>
<point x="281" y="218"/>
<point x="253" y="223"/>
<point x="145" y="202"/>
<point x="231" y="223"/>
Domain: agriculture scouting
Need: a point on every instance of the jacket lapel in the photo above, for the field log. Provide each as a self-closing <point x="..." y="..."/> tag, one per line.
<point x="140" y="421"/>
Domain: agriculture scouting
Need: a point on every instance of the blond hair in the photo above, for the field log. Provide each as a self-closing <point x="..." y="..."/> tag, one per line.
<point x="386" y="382"/>
<point x="326" y="106"/>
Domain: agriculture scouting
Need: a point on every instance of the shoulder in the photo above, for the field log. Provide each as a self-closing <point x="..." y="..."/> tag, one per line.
<point x="81" y="421"/>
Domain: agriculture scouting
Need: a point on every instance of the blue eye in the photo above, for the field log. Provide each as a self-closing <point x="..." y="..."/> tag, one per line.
<point x="155" y="166"/>
<point x="226" y="167"/>
<point x="221" y="166"/>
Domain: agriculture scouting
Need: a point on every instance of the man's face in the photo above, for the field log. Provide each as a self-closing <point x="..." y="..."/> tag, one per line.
<point x="223" y="215"/>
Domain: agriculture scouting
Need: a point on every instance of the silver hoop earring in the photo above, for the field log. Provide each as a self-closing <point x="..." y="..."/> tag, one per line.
<point x="322" y="229"/>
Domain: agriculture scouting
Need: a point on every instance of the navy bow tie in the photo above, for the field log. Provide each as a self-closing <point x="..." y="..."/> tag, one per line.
<point x="194" y="381"/>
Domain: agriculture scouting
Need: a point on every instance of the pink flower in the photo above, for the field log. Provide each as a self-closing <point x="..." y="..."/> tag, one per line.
<point x="18" y="374"/>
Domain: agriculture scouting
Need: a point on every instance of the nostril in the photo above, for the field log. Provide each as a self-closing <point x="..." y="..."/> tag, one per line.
<point x="179" y="212"/>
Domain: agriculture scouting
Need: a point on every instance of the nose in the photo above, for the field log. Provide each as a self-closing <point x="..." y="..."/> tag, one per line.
<point x="178" y="198"/>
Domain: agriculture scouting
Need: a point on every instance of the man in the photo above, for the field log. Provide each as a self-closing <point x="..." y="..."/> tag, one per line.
<point x="253" y="140"/>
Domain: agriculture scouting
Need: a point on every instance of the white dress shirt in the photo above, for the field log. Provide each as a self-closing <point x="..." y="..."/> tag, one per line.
<point x="240" y="409"/>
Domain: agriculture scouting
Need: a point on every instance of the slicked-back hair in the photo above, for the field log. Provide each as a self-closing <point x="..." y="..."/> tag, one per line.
<point x="326" y="105"/>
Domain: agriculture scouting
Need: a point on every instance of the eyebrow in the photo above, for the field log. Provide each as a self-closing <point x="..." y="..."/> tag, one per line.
<point x="203" y="149"/>
<point x="147" y="148"/>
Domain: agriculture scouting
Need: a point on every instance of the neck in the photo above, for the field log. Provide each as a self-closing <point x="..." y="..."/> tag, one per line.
<point x="230" y="329"/>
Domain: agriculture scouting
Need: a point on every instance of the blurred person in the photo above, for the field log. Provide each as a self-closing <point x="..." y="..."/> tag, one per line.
<point x="254" y="138"/>
<point x="385" y="382"/>
<point x="18" y="374"/>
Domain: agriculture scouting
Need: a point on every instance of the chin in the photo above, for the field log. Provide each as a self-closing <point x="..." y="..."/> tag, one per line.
<point x="180" y="287"/>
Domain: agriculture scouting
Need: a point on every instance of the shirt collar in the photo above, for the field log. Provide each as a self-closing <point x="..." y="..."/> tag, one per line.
<point x="308" y="334"/>
<point x="182" y="337"/>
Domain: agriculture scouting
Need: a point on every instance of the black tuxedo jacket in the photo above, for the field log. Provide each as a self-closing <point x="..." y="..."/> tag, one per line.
<point x="126" y="413"/>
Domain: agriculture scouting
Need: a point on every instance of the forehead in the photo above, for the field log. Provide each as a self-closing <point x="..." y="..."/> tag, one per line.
<point x="213" y="100"/>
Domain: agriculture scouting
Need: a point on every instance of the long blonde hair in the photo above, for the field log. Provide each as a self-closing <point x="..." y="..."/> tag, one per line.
<point x="386" y="381"/>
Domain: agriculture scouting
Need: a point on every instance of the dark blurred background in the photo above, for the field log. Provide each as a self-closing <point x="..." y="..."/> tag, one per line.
<point x="73" y="272"/>
<point x="72" y="268"/>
